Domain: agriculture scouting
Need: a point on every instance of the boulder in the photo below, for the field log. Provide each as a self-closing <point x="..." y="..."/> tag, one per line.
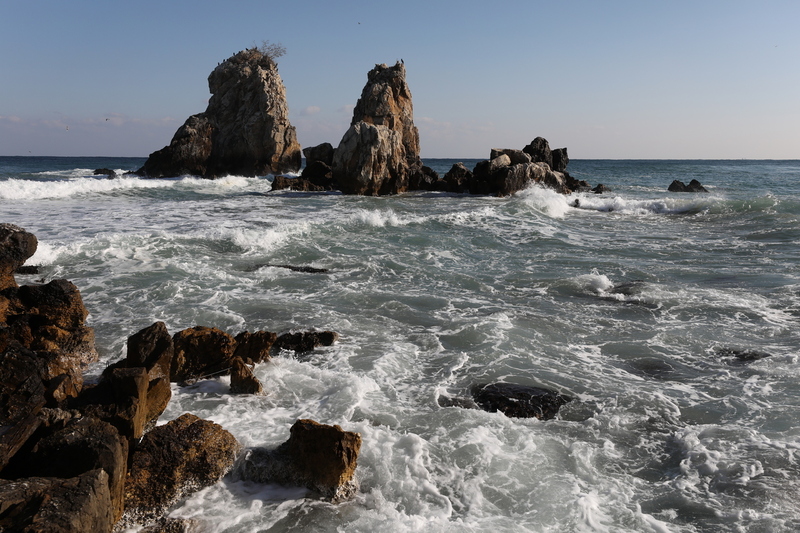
<point x="201" y="352"/>
<point x="380" y="150"/>
<point x="301" y="184"/>
<point x="16" y="246"/>
<point x="56" y="505"/>
<point x="458" y="178"/>
<point x="519" y="401"/>
<point x="539" y="150"/>
<point x="498" y="178"/>
<point x="516" y="156"/>
<point x="254" y="347"/>
<point x="84" y="444"/>
<point x="305" y="341"/>
<point x="679" y="186"/>
<point x="320" y="174"/>
<point x="320" y="457"/>
<point x="423" y="178"/>
<point x="105" y="172"/>
<point x="173" y="460"/>
<point x="322" y="153"/>
<point x="600" y="189"/>
<point x="243" y="381"/>
<point x="244" y="131"/>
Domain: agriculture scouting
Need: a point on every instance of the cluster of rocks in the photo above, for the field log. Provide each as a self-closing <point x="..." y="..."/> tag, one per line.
<point x="246" y="131"/>
<point x="80" y="456"/>
<point x="679" y="186"/>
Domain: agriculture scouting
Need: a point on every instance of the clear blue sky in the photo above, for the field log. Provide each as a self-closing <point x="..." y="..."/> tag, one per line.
<point x="607" y="79"/>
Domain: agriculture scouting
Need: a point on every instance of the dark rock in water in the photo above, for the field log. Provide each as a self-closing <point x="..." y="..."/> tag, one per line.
<point x="173" y="460"/>
<point x="244" y="131"/>
<point x="520" y="401"/>
<point x="741" y="357"/>
<point x="377" y="155"/>
<point x="27" y="270"/>
<point x="16" y="246"/>
<point x="293" y="268"/>
<point x="600" y="189"/>
<point x="651" y="367"/>
<point x="320" y="457"/>
<point x="679" y="186"/>
<point x="84" y="444"/>
<point x="560" y="160"/>
<point x="500" y="178"/>
<point x="449" y="401"/>
<point x="201" y="352"/>
<point x="81" y="503"/>
<point x="254" y="347"/>
<point x="424" y="178"/>
<point x="105" y="171"/>
<point x="539" y="150"/>
<point x="629" y="288"/>
<point x="320" y="174"/>
<point x="322" y="153"/>
<point x="243" y="381"/>
<point x="300" y="184"/>
<point x="305" y="341"/>
<point x="458" y="178"/>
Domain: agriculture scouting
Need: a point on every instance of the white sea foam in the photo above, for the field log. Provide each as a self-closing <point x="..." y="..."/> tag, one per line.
<point x="545" y="200"/>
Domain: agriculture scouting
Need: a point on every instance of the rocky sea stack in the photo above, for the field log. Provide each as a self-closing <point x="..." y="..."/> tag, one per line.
<point x="244" y="131"/>
<point x="380" y="152"/>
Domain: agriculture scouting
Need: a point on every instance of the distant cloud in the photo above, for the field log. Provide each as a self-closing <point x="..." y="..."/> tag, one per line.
<point x="346" y="108"/>
<point x="310" y="110"/>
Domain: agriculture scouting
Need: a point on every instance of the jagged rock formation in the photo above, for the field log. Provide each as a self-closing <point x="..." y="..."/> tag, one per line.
<point x="244" y="131"/>
<point x="679" y="186"/>
<point x="380" y="151"/>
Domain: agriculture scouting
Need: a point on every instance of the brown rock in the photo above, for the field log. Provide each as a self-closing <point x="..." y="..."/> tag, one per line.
<point x="56" y="505"/>
<point x="22" y="396"/>
<point x="243" y="381"/>
<point x="254" y="347"/>
<point x="201" y="352"/>
<point x="16" y="246"/>
<point x="173" y="460"/>
<point x="244" y="131"/>
<point x="320" y="457"/>
<point x="516" y="157"/>
<point x="119" y="399"/>
<point x="322" y="153"/>
<point x="174" y="525"/>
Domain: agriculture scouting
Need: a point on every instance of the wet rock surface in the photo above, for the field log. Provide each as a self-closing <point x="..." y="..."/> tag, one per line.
<point x="519" y="401"/>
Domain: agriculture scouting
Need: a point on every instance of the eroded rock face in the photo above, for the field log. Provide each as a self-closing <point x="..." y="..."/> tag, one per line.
<point x="201" y="352"/>
<point x="380" y="150"/>
<point x="16" y="246"/>
<point x="244" y="131"/>
<point x="243" y="381"/>
<point x="320" y="457"/>
<point x="182" y="456"/>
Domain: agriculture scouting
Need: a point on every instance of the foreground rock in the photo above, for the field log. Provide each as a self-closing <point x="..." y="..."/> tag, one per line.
<point x="81" y="503"/>
<point x="182" y="456"/>
<point x="319" y="457"/>
<point x="380" y="151"/>
<point x="679" y="186"/>
<point x="244" y="131"/>
<point x="520" y="401"/>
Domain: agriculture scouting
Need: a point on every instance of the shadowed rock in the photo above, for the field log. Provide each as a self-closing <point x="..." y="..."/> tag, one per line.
<point x="16" y="246"/>
<point x="679" y="186"/>
<point x="520" y="401"/>
<point x="201" y="352"/>
<point x="539" y="150"/>
<point x="254" y="347"/>
<point x="243" y="381"/>
<point x="320" y="457"/>
<point x="305" y="341"/>
<point x="81" y="503"/>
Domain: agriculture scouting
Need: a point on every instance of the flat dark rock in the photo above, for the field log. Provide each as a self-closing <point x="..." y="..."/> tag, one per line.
<point x="519" y="401"/>
<point x="741" y="356"/>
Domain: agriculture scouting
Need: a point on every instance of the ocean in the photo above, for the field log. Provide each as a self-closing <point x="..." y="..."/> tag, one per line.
<point x="671" y="319"/>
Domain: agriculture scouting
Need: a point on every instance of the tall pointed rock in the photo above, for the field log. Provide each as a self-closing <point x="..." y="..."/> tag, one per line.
<point x="380" y="151"/>
<point x="244" y="131"/>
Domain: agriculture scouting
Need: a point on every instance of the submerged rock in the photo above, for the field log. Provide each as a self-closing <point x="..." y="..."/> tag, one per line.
<point x="244" y="131"/>
<point x="305" y="341"/>
<point x="520" y="401"/>
<point x="740" y="356"/>
<point x="320" y="457"/>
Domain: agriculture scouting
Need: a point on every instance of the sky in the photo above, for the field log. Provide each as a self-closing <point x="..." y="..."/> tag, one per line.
<point x="606" y="79"/>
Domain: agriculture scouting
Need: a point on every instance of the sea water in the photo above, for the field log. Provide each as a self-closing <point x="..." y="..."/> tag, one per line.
<point x="634" y="303"/>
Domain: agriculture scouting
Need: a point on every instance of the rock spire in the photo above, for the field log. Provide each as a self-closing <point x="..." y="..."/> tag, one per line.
<point x="244" y="131"/>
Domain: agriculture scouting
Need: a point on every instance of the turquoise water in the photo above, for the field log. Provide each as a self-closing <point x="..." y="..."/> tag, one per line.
<point x="627" y="303"/>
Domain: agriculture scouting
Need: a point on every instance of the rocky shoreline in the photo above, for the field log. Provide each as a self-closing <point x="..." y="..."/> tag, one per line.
<point x="81" y="456"/>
